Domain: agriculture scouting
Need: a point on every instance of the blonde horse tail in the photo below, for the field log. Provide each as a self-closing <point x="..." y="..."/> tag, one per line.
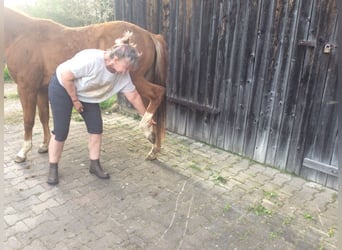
<point x="160" y="78"/>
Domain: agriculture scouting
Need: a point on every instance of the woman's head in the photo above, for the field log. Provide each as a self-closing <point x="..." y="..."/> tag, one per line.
<point x="124" y="50"/>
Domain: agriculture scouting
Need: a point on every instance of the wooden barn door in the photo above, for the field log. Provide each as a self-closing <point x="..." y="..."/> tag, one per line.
<point x="252" y="77"/>
<point x="318" y="125"/>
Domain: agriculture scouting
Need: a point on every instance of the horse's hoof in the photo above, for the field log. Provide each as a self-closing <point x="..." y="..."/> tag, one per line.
<point x="19" y="159"/>
<point x="42" y="150"/>
<point x="151" y="157"/>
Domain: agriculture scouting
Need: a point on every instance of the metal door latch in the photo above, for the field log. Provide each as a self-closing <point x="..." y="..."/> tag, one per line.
<point x="327" y="48"/>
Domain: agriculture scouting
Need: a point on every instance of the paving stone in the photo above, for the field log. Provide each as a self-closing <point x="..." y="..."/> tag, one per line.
<point x="39" y="208"/>
<point x="35" y="245"/>
<point x="12" y="219"/>
<point x="281" y="179"/>
<point x="36" y="189"/>
<point x="33" y="221"/>
<point x="260" y="178"/>
<point x="255" y="169"/>
<point x="12" y="243"/>
<point x="27" y="203"/>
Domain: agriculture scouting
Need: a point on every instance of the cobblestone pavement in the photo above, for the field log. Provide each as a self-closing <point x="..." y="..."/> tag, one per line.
<point x="193" y="197"/>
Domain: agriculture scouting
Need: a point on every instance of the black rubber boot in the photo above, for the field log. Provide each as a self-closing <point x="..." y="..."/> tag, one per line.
<point x="53" y="174"/>
<point x="95" y="168"/>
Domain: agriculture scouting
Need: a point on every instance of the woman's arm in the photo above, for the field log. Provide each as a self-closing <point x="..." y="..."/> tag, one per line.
<point x="67" y="78"/>
<point x="135" y="99"/>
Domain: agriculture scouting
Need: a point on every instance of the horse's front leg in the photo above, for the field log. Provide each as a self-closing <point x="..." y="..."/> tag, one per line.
<point x="28" y="99"/>
<point x="43" y="111"/>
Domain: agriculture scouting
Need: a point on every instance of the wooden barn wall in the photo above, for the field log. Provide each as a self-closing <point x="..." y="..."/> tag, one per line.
<point x="149" y="14"/>
<point x="251" y="77"/>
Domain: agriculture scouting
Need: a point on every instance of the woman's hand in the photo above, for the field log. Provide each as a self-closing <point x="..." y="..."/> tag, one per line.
<point x="78" y="106"/>
<point x="151" y="122"/>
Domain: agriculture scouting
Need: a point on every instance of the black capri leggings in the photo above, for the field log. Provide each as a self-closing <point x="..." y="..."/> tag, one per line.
<point x="61" y="106"/>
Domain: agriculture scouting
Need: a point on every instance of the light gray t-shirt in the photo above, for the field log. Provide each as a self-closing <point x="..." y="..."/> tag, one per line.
<point x="93" y="82"/>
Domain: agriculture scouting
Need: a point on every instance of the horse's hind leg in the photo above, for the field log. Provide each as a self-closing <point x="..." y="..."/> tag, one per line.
<point x="28" y="102"/>
<point x="154" y="94"/>
<point x="43" y="111"/>
<point x="152" y="155"/>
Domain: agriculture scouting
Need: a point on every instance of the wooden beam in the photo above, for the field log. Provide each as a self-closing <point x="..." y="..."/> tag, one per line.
<point x="321" y="167"/>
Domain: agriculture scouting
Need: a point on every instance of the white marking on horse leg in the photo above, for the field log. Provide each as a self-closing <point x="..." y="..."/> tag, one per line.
<point x="43" y="147"/>
<point x="152" y="155"/>
<point x="21" y="156"/>
<point x="146" y="127"/>
<point x="145" y="119"/>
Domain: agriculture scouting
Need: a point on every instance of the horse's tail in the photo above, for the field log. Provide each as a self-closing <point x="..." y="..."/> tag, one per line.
<point x="160" y="78"/>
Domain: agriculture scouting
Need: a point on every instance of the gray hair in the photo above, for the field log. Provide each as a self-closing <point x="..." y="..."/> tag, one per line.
<point x="125" y="49"/>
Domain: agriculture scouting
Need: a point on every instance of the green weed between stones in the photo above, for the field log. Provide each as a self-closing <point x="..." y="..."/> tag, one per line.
<point x="270" y="195"/>
<point x="288" y="220"/>
<point x="274" y="235"/>
<point x="308" y="216"/>
<point x="260" y="210"/>
<point x="331" y="232"/>
<point x="195" y="167"/>
<point x="217" y="178"/>
<point x="227" y="208"/>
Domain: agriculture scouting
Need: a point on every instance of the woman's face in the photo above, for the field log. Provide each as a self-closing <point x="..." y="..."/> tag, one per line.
<point x="117" y="65"/>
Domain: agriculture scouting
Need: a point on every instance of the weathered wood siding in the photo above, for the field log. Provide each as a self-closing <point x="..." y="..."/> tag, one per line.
<point x="252" y="77"/>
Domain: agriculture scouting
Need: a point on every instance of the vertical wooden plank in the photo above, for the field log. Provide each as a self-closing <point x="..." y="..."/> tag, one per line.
<point x="156" y="14"/>
<point x="266" y="78"/>
<point x="165" y="28"/>
<point x="230" y="91"/>
<point x="261" y="54"/>
<point x="199" y="91"/>
<point x="151" y="9"/>
<point x="327" y="127"/>
<point x="181" y="25"/>
<point x="245" y="64"/>
<point x="235" y="70"/>
<point x="128" y="11"/>
<point x="184" y="30"/>
<point x="286" y="10"/>
<point x="229" y="10"/>
<point x="209" y="90"/>
<point x="218" y="89"/>
<point x="138" y="14"/>
<point x="172" y="83"/>
<point x="334" y="157"/>
<point x="302" y="11"/>
<point x="332" y="182"/>
<point x="182" y="61"/>
<point x="248" y="119"/>
<point x="194" y="60"/>
<point x="119" y="10"/>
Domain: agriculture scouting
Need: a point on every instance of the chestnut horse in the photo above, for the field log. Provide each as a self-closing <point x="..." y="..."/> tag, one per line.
<point x="34" y="47"/>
